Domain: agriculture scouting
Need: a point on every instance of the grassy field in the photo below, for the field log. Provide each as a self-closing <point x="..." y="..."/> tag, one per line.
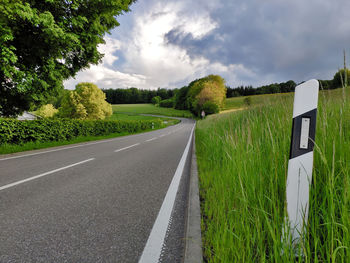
<point x="150" y="109"/>
<point x="116" y="116"/>
<point x="238" y="102"/>
<point x="242" y="161"/>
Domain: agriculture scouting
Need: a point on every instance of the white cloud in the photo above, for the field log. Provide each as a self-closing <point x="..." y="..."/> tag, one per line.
<point x="149" y="61"/>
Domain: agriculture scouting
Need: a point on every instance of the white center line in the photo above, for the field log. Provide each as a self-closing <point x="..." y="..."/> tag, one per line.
<point x="43" y="174"/>
<point x="153" y="247"/>
<point x="127" y="147"/>
<point x="151" y="139"/>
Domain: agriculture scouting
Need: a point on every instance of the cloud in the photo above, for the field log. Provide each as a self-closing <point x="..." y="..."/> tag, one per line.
<point x="170" y="43"/>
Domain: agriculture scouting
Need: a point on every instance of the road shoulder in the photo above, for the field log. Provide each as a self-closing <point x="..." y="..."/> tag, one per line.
<point x="193" y="248"/>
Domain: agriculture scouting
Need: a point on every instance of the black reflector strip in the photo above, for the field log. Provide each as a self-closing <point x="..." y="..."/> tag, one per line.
<point x="295" y="147"/>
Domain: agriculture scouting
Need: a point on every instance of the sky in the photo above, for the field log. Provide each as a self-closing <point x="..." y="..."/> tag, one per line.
<point x="169" y="43"/>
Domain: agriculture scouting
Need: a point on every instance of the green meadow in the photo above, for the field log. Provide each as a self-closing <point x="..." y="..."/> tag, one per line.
<point x="150" y="109"/>
<point x="243" y="160"/>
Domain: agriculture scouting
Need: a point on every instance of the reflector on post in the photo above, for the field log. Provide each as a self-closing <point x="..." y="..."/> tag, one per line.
<point x="301" y="159"/>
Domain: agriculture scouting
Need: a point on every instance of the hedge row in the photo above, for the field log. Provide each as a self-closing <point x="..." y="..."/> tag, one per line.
<point x="44" y="130"/>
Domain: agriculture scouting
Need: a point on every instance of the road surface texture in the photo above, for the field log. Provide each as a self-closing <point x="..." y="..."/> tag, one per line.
<point x="94" y="202"/>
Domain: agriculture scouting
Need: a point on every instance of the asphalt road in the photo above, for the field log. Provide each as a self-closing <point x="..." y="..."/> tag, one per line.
<point x="93" y="202"/>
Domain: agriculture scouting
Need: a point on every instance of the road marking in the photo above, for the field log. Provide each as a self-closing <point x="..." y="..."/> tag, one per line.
<point x="119" y="150"/>
<point x="43" y="174"/>
<point x="152" y="250"/>
<point x="161" y="135"/>
<point x="61" y="149"/>
<point x="72" y="147"/>
<point x="151" y="139"/>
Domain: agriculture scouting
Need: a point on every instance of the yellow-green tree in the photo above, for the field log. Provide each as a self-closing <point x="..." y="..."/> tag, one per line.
<point x="46" y="111"/>
<point x="208" y="89"/>
<point x="87" y="101"/>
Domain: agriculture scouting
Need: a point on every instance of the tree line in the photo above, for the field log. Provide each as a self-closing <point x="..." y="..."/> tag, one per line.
<point x="134" y="95"/>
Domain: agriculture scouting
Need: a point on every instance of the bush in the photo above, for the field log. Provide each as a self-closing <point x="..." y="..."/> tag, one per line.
<point x="247" y="101"/>
<point x="210" y="107"/>
<point x="19" y="132"/>
<point x="87" y="101"/>
<point x="46" y="111"/>
<point x="155" y="100"/>
<point x="169" y="103"/>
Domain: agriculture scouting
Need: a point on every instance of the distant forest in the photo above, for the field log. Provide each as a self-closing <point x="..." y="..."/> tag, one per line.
<point x="134" y="95"/>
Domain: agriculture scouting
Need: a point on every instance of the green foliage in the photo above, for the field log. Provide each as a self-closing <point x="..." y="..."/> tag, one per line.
<point x="282" y="87"/>
<point x="180" y="98"/>
<point x="210" y="107"/>
<point x="46" y="111"/>
<point x="43" y="43"/>
<point x="134" y="95"/>
<point x="44" y="130"/>
<point x="247" y="101"/>
<point x="169" y="103"/>
<point x="211" y="88"/>
<point x="87" y="101"/>
<point x="156" y="100"/>
<point x="339" y="79"/>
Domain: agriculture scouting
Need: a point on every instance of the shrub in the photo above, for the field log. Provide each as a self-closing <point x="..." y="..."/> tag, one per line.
<point x="18" y="132"/>
<point x="155" y="100"/>
<point x="87" y="101"/>
<point x="210" y="107"/>
<point x="169" y="103"/>
<point x="46" y="111"/>
<point x="247" y="101"/>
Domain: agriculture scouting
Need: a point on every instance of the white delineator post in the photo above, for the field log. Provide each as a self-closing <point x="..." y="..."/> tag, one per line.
<point x="301" y="159"/>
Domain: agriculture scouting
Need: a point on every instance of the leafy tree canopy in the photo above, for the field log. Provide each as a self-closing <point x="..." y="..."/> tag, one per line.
<point x="45" y="42"/>
<point x="211" y="88"/>
<point x="339" y="79"/>
<point x="87" y="101"/>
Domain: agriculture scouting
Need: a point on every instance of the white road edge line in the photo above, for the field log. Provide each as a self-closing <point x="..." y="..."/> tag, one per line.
<point x="161" y="135"/>
<point x="153" y="247"/>
<point x="151" y="139"/>
<point x="43" y="174"/>
<point x="126" y="147"/>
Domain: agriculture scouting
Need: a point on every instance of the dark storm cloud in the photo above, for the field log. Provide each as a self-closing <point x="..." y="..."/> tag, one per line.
<point x="284" y="39"/>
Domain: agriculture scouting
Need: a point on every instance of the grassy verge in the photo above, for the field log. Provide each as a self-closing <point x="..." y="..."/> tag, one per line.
<point x="242" y="161"/>
<point x="13" y="148"/>
<point x="150" y="109"/>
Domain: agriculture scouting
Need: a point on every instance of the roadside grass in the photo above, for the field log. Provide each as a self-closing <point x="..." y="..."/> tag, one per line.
<point x="13" y="148"/>
<point x="243" y="160"/>
<point x="150" y="109"/>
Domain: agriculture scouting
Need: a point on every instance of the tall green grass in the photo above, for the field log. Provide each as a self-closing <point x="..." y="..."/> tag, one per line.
<point x="243" y="161"/>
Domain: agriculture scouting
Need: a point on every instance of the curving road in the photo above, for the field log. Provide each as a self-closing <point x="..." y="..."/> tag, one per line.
<point x="100" y="201"/>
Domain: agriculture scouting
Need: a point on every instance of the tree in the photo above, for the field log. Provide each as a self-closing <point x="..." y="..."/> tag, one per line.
<point x="87" y="101"/>
<point x="211" y="88"/>
<point x="339" y="79"/>
<point x="155" y="100"/>
<point x="46" y="111"/>
<point x="43" y="43"/>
